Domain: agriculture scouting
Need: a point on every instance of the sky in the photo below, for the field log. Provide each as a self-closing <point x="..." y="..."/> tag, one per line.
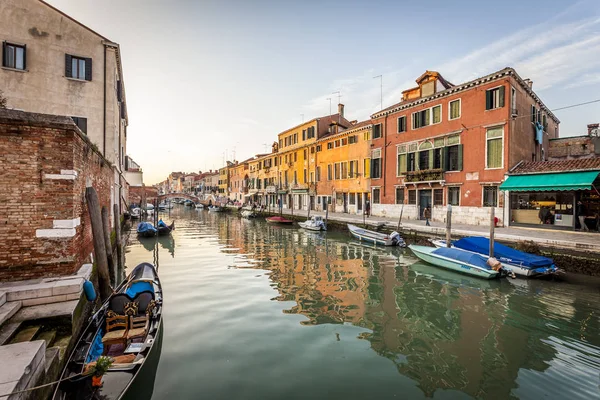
<point x="211" y="80"/>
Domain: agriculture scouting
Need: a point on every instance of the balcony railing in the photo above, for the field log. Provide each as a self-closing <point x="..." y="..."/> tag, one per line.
<point x="425" y="175"/>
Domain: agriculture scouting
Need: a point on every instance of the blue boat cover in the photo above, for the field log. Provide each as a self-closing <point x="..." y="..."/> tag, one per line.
<point x="137" y="288"/>
<point x="503" y="253"/>
<point x="463" y="256"/>
<point x="161" y="224"/>
<point x="145" y="227"/>
<point x="96" y="349"/>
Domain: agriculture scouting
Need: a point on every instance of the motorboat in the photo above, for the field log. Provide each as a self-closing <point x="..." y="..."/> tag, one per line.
<point x="521" y="263"/>
<point x="199" y="206"/>
<point x="315" y="223"/>
<point x="215" y="209"/>
<point x="458" y="260"/>
<point x="164" y="229"/>
<point x="279" y="220"/>
<point x="146" y="229"/>
<point x="248" y="214"/>
<point x="377" y="238"/>
<point x="127" y="328"/>
<point x="135" y="213"/>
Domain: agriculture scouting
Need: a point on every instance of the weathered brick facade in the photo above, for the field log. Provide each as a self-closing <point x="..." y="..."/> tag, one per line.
<point x="46" y="165"/>
<point x="136" y="193"/>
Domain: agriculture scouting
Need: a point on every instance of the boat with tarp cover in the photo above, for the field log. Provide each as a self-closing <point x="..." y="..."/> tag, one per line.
<point x="125" y="329"/>
<point x="519" y="262"/>
<point x="457" y="260"/>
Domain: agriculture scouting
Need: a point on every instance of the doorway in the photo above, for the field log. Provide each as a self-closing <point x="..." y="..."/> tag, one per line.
<point x="424" y="201"/>
<point x="345" y="197"/>
<point x="312" y="202"/>
<point x="359" y="202"/>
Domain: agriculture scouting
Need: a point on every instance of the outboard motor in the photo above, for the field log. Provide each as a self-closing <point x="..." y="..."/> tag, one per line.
<point x="397" y="239"/>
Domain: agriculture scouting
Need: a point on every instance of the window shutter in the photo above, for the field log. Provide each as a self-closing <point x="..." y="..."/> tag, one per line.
<point x="408" y="158"/>
<point x="431" y="159"/>
<point x="88" y="69"/>
<point x="488" y="100"/>
<point x="4" y="57"/>
<point x="83" y="125"/>
<point x="119" y="91"/>
<point x="25" y="57"/>
<point x="501" y="96"/>
<point x="460" y="157"/>
<point x="445" y="160"/>
<point x="68" y="66"/>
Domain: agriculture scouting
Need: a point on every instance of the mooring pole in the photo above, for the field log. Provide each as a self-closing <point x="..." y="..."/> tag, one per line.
<point x="449" y="226"/>
<point x="99" y="243"/>
<point x="117" y="217"/>
<point x="492" y="226"/>
<point x="108" y="245"/>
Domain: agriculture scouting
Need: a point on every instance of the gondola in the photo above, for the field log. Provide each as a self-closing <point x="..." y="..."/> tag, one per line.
<point x="164" y="229"/>
<point x="146" y="229"/>
<point x="138" y="300"/>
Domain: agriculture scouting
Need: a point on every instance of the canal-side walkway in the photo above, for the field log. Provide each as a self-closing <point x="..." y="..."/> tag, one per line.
<point x="578" y="241"/>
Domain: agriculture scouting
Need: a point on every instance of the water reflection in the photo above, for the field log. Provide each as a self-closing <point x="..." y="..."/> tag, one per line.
<point x="442" y="330"/>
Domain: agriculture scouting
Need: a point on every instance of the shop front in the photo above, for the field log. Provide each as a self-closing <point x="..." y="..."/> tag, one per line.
<point x="554" y="199"/>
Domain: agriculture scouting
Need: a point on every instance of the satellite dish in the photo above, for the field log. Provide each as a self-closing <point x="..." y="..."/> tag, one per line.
<point x="595" y="132"/>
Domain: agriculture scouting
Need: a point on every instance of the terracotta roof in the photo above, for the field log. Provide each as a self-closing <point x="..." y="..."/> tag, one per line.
<point x="542" y="167"/>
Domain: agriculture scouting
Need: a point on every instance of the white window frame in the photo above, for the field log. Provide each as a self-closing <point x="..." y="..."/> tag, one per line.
<point x="483" y="195"/>
<point x="396" y="187"/>
<point x="459" y="196"/>
<point x="398" y="124"/>
<point x="450" y="109"/>
<point x="373" y="197"/>
<point x="490" y="89"/>
<point x="486" y="146"/>
<point x="412" y="117"/>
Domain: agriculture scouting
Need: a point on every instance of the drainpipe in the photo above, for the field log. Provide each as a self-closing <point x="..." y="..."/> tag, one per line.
<point x="384" y="162"/>
<point x="104" y="109"/>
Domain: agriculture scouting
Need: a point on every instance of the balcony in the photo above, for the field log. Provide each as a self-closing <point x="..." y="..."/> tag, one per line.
<point x="425" y="175"/>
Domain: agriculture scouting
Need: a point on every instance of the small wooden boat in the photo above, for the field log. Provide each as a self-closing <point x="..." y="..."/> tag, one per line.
<point x="315" y="223"/>
<point x="138" y="301"/>
<point x="456" y="260"/>
<point x="279" y="220"/>
<point x="146" y="229"/>
<point x="519" y="262"/>
<point x="164" y="229"/>
<point x="377" y="238"/>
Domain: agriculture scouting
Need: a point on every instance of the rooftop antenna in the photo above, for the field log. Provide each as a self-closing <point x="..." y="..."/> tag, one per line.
<point x="380" y="88"/>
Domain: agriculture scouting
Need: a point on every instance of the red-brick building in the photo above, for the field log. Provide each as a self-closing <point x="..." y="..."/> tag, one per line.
<point x="453" y="144"/>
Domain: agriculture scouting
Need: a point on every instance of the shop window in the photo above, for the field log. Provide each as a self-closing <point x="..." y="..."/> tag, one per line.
<point x="438" y="197"/>
<point x="490" y="196"/>
<point x="454" y="196"/>
<point x="399" y="195"/>
<point x="376" y="195"/>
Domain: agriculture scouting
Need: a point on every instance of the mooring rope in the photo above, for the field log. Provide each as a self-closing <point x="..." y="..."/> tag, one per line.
<point x="39" y="387"/>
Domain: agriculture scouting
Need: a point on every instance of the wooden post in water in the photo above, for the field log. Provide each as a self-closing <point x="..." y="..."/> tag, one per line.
<point x="449" y="226"/>
<point x="93" y="204"/>
<point x="108" y="245"/>
<point x="117" y="218"/>
<point x="492" y="226"/>
<point x="400" y="219"/>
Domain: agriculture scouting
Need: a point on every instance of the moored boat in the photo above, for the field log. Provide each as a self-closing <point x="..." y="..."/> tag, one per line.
<point x="136" y="302"/>
<point x="512" y="260"/>
<point x="163" y="229"/>
<point x="248" y="214"/>
<point x="456" y="260"/>
<point x="315" y="223"/>
<point x="146" y="229"/>
<point x="215" y="209"/>
<point x="135" y="213"/>
<point x="279" y="220"/>
<point x="377" y="238"/>
<point x="199" y="206"/>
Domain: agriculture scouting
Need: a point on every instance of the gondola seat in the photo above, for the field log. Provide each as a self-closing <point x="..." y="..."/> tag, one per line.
<point x="116" y="330"/>
<point x="138" y="327"/>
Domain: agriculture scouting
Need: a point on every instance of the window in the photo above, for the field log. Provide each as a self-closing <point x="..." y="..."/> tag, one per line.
<point x="344" y="168"/>
<point x="329" y="145"/>
<point x="312" y="177"/>
<point x="318" y="174"/>
<point x="376" y="195"/>
<point x="336" y="170"/>
<point x="353" y="139"/>
<point x="436" y="112"/>
<point x="400" y="160"/>
<point x="367" y="167"/>
<point x="399" y="195"/>
<point x="412" y="197"/>
<point x="454" y="195"/>
<point x="424" y="160"/>
<point x="367" y="135"/>
<point x="494" y="147"/>
<point x="312" y="150"/>
<point x="438" y="197"/>
<point x="402" y="124"/>
<point x="454" y="160"/>
<point x="78" y="67"/>
<point x="319" y="148"/>
<point x="454" y="109"/>
<point x="376" y="131"/>
<point x="344" y="141"/>
<point x="437" y="158"/>
<point x="490" y="196"/>
<point x="310" y="133"/>
<point x="420" y="119"/>
<point x="494" y="98"/>
<point x="295" y="177"/>
<point x="81" y="123"/>
<point x="336" y="143"/>
<point x="352" y="199"/>
<point x="411" y="163"/>
<point x="513" y="100"/>
<point x="295" y="138"/>
<point x="352" y="169"/>
<point x="533" y="113"/>
<point x="14" y="56"/>
<point x="376" y="164"/>
<point x="303" y="134"/>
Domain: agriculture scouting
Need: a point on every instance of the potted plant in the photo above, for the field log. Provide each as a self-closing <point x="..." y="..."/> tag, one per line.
<point x="103" y="363"/>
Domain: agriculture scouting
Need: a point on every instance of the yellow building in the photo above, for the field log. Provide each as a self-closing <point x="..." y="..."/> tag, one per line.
<point x="224" y="180"/>
<point x="343" y="169"/>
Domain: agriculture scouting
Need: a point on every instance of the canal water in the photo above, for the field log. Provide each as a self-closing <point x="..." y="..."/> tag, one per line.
<point x="254" y="311"/>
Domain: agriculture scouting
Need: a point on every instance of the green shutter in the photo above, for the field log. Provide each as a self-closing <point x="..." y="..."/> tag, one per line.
<point x="68" y="66"/>
<point x="488" y="100"/>
<point x="431" y="159"/>
<point x="445" y="161"/>
<point x="501" y="96"/>
<point x="460" y="157"/>
<point x="402" y="163"/>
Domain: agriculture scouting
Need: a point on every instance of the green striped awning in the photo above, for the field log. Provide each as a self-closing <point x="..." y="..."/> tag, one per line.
<point x="550" y="182"/>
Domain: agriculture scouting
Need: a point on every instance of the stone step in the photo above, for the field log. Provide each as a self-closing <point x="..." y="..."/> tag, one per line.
<point x="2" y="297"/>
<point x="26" y="334"/>
<point x="7" y="331"/>
<point x="62" y="344"/>
<point x="7" y="310"/>
<point x="47" y="336"/>
<point x="27" y="362"/>
<point x="66" y="308"/>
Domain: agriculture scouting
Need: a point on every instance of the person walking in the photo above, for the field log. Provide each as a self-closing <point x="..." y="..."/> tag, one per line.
<point x="581" y="214"/>
<point x="368" y="208"/>
<point x="427" y="215"/>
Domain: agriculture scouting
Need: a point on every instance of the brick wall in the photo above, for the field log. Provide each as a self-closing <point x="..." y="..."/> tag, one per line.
<point x="573" y="148"/>
<point x="46" y="165"/>
<point x="136" y="192"/>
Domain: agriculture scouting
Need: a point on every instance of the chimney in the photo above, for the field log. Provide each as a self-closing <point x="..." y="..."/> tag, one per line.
<point x="341" y="109"/>
<point x="529" y="83"/>
<point x="591" y="127"/>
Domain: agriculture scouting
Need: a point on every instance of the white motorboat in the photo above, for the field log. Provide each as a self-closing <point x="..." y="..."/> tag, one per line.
<point x="135" y="213"/>
<point x="365" y="235"/>
<point x="315" y="223"/>
<point x="215" y="209"/>
<point x="199" y="206"/>
<point x="248" y="214"/>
